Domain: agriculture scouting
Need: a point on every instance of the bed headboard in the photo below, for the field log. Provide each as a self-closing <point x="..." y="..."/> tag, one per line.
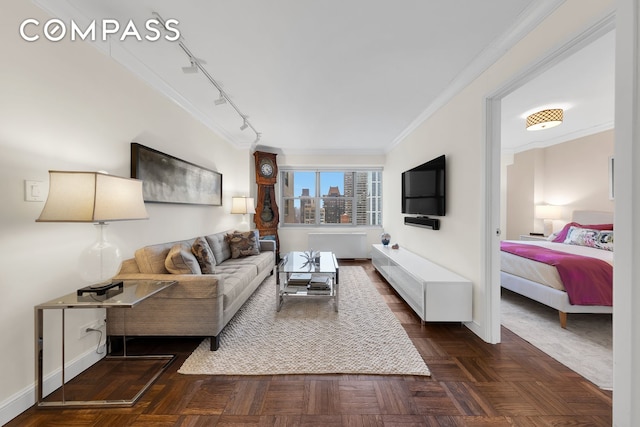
<point x="592" y="217"/>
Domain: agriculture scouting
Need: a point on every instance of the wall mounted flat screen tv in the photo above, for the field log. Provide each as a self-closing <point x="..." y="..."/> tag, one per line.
<point x="424" y="188"/>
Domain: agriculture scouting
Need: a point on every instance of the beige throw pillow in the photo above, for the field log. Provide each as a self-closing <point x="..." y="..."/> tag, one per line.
<point x="181" y="260"/>
<point x="204" y="255"/>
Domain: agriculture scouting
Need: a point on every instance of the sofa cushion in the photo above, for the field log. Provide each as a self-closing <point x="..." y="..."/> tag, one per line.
<point x="261" y="262"/>
<point x="236" y="279"/>
<point x="243" y="243"/>
<point x="180" y="260"/>
<point x="219" y="246"/>
<point x="204" y="255"/>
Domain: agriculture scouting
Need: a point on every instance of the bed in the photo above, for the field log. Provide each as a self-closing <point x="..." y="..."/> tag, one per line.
<point x="525" y="271"/>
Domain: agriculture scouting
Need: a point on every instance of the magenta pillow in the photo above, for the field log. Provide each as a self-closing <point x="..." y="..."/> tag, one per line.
<point x="562" y="235"/>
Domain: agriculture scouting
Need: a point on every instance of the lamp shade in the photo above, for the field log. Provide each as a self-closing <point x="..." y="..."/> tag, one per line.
<point x="545" y="119"/>
<point x="92" y="197"/>
<point x="548" y="212"/>
<point x="242" y="205"/>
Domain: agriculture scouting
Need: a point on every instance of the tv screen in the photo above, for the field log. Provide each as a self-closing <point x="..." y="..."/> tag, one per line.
<point x="424" y="190"/>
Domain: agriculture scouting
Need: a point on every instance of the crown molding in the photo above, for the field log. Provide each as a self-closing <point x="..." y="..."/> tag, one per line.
<point x="529" y="19"/>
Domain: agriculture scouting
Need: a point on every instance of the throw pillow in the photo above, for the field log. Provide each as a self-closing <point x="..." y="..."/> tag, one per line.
<point x="243" y="243"/>
<point x="204" y="255"/>
<point x="605" y="240"/>
<point x="562" y="235"/>
<point x="582" y="237"/>
<point x="181" y="260"/>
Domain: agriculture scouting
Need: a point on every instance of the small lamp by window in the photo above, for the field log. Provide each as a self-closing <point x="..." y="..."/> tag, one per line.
<point x="244" y="206"/>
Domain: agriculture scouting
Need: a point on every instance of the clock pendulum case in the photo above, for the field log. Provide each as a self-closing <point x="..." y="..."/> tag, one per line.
<point x="267" y="216"/>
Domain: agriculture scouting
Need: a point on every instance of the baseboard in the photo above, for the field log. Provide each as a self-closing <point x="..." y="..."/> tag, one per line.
<point x="476" y="329"/>
<point x="26" y="398"/>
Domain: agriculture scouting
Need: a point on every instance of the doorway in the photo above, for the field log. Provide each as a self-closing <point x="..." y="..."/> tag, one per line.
<point x="495" y="223"/>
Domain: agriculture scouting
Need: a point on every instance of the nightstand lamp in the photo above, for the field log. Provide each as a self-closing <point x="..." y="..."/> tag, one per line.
<point x="98" y="198"/>
<point x="548" y="213"/>
<point x="244" y="206"/>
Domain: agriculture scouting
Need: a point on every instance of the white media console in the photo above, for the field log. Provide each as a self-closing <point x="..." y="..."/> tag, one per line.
<point x="433" y="292"/>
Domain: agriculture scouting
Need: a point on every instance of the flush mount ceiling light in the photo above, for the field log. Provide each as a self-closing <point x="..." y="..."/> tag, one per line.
<point x="545" y="119"/>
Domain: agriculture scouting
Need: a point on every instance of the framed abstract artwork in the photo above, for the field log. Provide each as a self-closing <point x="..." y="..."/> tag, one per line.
<point x="167" y="179"/>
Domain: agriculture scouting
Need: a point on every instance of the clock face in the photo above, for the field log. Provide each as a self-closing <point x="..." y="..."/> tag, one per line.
<point x="266" y="169"/>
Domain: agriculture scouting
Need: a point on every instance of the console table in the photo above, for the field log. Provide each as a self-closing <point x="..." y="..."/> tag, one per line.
<point x="433" y="292"/>
<point x="132" y="293"/>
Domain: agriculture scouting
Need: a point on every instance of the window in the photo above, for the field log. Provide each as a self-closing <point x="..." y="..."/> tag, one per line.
<point x="331" y="197"/>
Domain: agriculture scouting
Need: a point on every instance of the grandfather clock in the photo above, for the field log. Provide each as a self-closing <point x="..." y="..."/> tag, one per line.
<point x="267" y="216"/>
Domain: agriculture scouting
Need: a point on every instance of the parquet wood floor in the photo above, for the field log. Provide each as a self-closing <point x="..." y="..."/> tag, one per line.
<point x="472" y="384"/>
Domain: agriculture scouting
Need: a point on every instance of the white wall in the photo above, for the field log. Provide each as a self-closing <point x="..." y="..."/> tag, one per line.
<point x="458" y="131"/>
<point x="574" y="175"/>
<point x="67" y="106"/>
<point x="626" y="280"/>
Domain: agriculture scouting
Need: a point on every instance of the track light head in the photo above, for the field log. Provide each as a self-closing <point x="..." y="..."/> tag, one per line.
<point x="244" y="124"/>
<point x="191" y="69"/>
<point x="221" y="100"/>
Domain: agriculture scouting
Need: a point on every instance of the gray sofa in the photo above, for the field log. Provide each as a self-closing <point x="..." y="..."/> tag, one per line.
<point x="199" y="304"/>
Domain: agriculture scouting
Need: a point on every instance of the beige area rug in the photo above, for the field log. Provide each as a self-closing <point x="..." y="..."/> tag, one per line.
<point x="307" y="336"/>
<point x="586" y="346"/>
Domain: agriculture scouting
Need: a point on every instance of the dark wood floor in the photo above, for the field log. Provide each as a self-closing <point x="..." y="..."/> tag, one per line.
<point x="472" y="384"/>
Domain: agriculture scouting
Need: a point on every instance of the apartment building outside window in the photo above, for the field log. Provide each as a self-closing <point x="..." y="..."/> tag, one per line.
<point x="331" y="197"/>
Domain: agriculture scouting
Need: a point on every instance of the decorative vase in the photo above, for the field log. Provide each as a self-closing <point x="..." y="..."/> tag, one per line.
<point x="385" y="238"/>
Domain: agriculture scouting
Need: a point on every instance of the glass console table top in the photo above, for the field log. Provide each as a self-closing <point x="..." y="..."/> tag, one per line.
<point x="134" y="292"/>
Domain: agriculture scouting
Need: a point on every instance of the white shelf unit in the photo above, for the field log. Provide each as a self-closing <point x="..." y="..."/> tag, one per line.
<point x="433" y="292"/>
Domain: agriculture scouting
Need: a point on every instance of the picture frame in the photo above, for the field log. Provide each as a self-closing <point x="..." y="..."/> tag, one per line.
<point x="168" y="179"/>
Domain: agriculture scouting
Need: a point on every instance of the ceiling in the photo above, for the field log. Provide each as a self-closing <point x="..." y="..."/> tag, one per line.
<point x="333" y="76"/>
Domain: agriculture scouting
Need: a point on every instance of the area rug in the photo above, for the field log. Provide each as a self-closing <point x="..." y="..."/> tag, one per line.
<point x="308" y="336"/>
<point x="586" y="346"/>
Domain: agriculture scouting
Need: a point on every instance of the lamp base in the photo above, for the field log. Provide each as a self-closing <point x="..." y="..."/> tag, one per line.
<point x="101" y="288"/>
<point x="100" y="261"/>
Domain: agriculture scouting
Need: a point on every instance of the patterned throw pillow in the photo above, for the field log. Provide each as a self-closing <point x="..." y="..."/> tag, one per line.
<point x="605" y="240"/>
<point x="582" y="237"/>
<point x="243" y="243"/>
<point x="204" y="255"/>
<point x="180" y="260"/>
<point x="600" y="239"/>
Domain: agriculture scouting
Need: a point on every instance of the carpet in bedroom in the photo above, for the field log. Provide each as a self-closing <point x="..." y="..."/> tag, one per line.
<point x="586" y="346"/>
<point x="308" y="337"/>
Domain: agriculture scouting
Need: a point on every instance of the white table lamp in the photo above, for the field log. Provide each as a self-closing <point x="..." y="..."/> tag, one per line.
<point x="548" y="213"/>
<point x="244" y="206"/>
<point x="98" y="198"/>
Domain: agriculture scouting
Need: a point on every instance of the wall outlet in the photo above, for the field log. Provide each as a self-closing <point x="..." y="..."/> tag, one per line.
<point x="96" y="324"/>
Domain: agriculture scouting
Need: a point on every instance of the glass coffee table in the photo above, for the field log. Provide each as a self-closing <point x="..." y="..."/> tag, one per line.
<point x="298" y="277"/>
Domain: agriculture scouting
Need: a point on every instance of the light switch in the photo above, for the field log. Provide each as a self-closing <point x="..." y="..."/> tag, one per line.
<point x="33" y="191"/>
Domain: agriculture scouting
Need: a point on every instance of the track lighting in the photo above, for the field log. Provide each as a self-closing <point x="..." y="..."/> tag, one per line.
<point x="197" y="65"/>
<point x="191" y="69"/>
<point x="221" y="100"/>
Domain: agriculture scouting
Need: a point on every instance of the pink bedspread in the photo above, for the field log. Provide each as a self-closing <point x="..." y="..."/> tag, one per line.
<point x="588" y="281"/>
